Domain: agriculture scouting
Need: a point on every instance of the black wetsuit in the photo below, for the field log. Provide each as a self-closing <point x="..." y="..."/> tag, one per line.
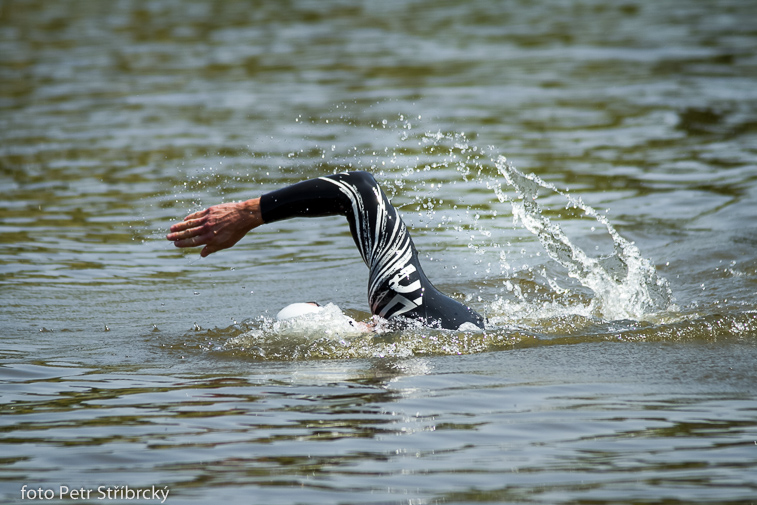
<point x="397" y="285"/>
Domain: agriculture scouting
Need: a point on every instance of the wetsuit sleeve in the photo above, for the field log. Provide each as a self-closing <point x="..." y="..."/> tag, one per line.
<point x="312" y="198"/>
<point x="355" y="195"/>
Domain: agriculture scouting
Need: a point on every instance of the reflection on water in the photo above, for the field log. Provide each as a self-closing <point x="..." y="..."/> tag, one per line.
<point x="385" y="427"/>
<point x="125" y="361"/>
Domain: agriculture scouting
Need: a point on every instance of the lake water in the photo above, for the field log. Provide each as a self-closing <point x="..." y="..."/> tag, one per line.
<point x="613" y="252"/>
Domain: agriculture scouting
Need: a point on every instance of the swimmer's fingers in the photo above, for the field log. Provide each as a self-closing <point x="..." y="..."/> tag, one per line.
<point x="188" y="223"/>
<point x="193" y="240"/>
<point x="217" y="227"/>
<point x="192" y="221"/>
<point x="186" y="229"/>
<point x="190" y="234"/>
<point x="208" y="249"/>
<point x="197" y="215"/>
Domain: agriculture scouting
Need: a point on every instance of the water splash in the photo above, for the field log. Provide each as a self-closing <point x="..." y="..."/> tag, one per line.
<point x="329" y="326"/>
<point x="331" y="334"/>
<point x="624" y="283"/>
<point x="318" y="339"/>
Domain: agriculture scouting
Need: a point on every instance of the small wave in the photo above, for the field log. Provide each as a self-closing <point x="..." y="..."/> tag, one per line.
<point x="270" y="341"/>
<point x="329" y="333"/>
<point x="327" y="326"/>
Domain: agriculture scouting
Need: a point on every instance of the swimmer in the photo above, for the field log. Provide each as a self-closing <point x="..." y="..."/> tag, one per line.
<point x="397" y="286"/>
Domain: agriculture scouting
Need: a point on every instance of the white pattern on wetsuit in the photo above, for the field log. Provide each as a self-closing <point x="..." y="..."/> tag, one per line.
<point x="388" y="255"/>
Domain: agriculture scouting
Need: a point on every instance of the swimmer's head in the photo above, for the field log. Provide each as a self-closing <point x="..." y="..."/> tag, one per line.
<point x="297" y="310"/>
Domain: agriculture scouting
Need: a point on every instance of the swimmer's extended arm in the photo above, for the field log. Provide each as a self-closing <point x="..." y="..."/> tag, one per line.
<point x="217" y="227"/>
<point x="221" y="226"/>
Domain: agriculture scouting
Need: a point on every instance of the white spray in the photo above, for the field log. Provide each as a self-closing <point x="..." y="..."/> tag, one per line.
<point x="625" y="284"/>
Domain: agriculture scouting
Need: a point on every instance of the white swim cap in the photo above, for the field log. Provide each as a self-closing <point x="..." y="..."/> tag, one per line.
<point x="298" y="309"/>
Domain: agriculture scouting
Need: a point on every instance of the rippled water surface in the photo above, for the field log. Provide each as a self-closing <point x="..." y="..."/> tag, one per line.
<point x="584" y="173"/>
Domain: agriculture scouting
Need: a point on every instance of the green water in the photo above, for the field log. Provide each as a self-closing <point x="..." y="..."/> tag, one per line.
<point x="127" y="362"/>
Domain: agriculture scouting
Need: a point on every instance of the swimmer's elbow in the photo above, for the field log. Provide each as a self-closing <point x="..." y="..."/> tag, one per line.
<point x="362" y="180"/>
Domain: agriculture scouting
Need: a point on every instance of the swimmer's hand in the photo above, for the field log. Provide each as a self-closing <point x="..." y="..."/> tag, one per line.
<point x="217" y="227"/>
